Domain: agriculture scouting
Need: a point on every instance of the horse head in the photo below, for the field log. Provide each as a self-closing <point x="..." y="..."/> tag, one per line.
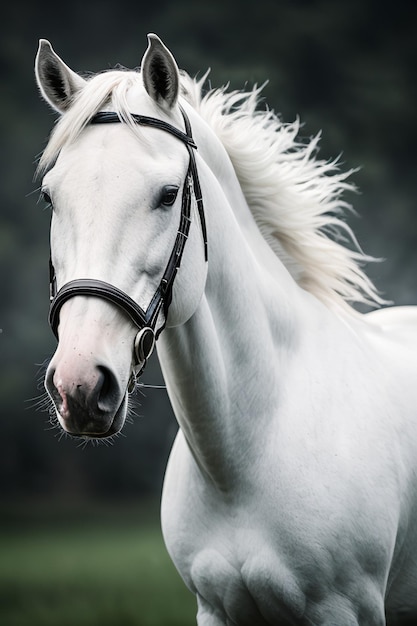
<point x="119" y="194"/>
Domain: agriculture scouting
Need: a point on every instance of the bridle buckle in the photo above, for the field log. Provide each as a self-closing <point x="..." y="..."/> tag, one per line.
<point x="144" y="344"/>
<point x="143" y="347"/>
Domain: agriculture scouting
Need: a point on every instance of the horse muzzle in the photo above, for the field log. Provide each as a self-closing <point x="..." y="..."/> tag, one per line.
<point x="93" y="407"/>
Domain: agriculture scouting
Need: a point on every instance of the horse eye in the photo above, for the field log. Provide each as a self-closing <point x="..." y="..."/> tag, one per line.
<point x="169" y="195"/>
<point x="46" y="197"/>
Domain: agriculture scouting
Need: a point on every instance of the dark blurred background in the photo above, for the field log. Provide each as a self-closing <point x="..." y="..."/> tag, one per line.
<point x="347" y="67"/>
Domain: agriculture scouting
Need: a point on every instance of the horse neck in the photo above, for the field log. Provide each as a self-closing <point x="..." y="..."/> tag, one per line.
<point x="224" y="369"/>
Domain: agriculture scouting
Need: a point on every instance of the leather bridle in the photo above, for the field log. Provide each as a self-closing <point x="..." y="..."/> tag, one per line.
<point x="145" y="320"/>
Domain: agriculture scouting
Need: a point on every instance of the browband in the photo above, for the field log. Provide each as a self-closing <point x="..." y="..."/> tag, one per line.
<point x="109" y="117"/>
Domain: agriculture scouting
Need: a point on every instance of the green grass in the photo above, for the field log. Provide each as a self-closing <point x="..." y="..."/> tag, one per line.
<point x="87" y="574"/>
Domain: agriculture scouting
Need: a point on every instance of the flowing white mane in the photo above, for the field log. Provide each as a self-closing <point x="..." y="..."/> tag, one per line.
<point x="295" y="197"/>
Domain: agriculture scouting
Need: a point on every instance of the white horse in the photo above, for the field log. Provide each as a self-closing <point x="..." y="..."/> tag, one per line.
<point x="290" y="495"/>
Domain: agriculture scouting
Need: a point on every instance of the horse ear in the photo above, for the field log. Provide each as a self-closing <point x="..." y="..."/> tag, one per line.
<point x="56" y="81"/>
<point x="160" y="73"/>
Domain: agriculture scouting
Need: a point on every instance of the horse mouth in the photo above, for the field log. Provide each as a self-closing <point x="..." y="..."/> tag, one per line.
<point x="81" y="423"/>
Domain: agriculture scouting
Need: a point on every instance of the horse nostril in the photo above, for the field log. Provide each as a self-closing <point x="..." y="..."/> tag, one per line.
<point x="107" y="389"/>
<point x="50" y="386"/>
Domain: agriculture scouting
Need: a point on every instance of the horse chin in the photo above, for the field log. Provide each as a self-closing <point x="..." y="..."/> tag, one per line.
<point x="95" y="428"/>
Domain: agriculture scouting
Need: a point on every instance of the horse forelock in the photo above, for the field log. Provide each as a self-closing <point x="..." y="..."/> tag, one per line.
<point x="107" y="89"/>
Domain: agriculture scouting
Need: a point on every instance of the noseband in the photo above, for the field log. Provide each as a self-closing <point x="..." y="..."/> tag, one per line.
<point x="145" y="320"/>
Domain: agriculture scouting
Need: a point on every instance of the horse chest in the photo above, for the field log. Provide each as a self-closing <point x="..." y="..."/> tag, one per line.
<point x="250" y="565"/>
<point x="247" y="577"/>
<point x="235" y="573"/>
